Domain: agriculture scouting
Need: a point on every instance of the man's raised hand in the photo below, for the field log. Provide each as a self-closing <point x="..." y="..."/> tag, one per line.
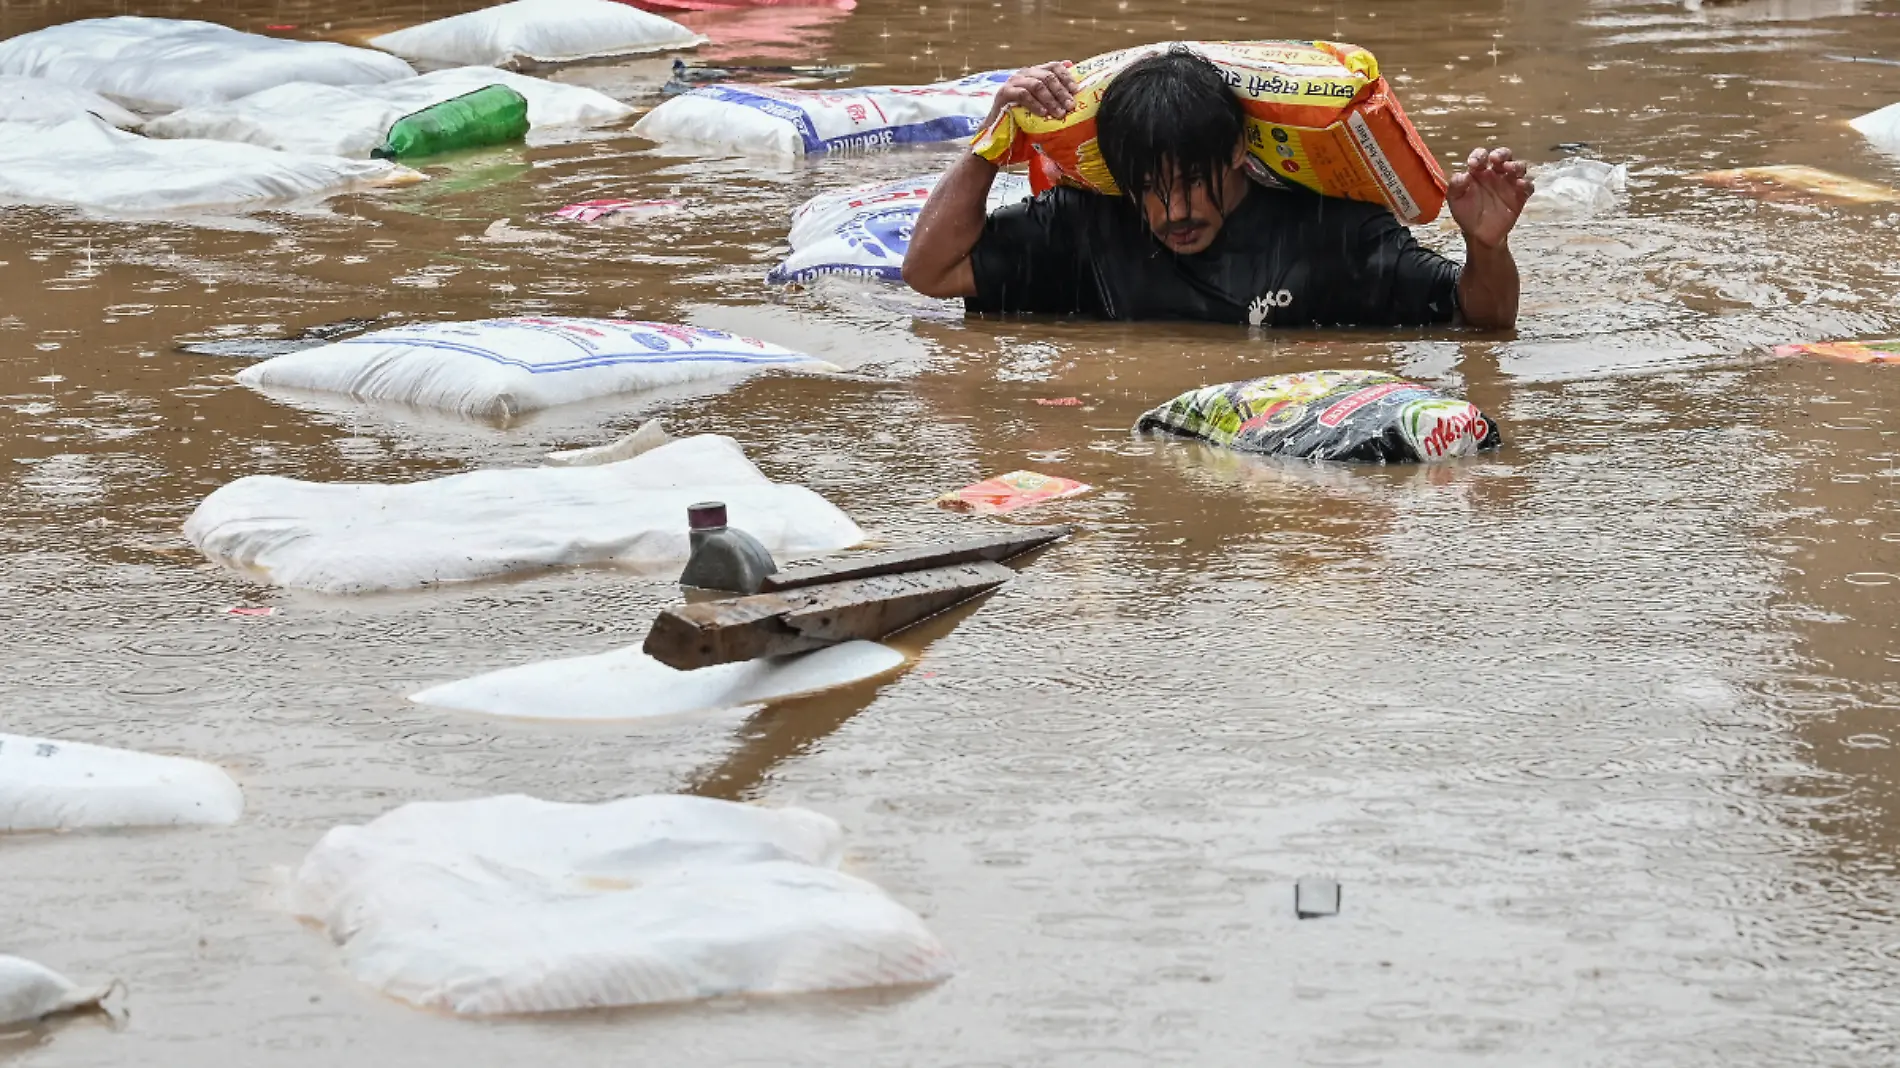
<point x="1489" y="195"/>
<point x="1046" y="89"/>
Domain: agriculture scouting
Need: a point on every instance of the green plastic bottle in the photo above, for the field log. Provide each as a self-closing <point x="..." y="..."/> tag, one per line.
<point x="491" y="115"/>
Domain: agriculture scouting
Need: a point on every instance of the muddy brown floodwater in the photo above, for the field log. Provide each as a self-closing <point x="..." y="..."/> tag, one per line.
<point x="1598" y="732"/>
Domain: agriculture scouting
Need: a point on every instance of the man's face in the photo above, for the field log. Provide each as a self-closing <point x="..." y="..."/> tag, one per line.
<point x="1187" y="218"/>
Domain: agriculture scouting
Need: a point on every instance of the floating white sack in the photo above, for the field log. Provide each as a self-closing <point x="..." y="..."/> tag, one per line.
<point x="864" y="232"/>
<point x="47" y="103"/>
<point x="1881" y="127"/>
<point x="515" y="905"/>
<point x="53" y="785"/>
<point x="651" y="435"/>
<point x="89" y="164"/>
<point x="351" y="537"/>
<point x="539" y="31"/>
<point x="30" y="991"/>
<point x="352" y="120"/>
<point x="786" y="123"/>
<point x="628" y="684"/>
<point x="157" y="65"/>
<point x="1576" y="188"/>
<point x="499" y="369"/>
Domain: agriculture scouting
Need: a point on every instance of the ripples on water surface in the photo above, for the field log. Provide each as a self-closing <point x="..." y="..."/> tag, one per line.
<point x="1598" y="732"/>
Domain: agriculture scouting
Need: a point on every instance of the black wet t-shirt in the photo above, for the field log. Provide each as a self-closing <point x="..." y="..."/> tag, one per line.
<point x="1283" y="258"/>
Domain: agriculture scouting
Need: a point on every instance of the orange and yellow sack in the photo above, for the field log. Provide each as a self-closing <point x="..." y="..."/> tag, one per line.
<point x="1318" y="115"/>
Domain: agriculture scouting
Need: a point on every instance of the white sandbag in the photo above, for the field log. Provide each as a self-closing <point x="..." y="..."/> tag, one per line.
<point x="348" y="537"/>
<point x="89" y="164"/>
<point x="1576" y="189"/>
<point x="628" y="684"/>
<point x="516" y="905"/>
<point x="1881" y="127"/>
<point x="786" y="123"/>
<point x="499" y="369"/>
<point x="352" y="120"/>
<point x="864" y="232"/>
<point x="158" y="65"/>
<point x="46" y="103"/>
<point x="56" y="785"/>
<point x="539" y="31"/>
<point x="30" y="992"/>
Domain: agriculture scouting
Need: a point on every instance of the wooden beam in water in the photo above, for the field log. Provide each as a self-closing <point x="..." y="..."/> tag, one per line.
<point x="795" y="621"/>
<point x="995" y="549"/>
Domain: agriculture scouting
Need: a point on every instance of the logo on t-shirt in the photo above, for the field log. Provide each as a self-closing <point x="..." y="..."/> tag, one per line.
<point x="1262" y="308"/>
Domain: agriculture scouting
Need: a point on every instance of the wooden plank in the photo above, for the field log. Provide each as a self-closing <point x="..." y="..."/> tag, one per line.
<point x="794" y="621"/>
<point x="995" y="549"/>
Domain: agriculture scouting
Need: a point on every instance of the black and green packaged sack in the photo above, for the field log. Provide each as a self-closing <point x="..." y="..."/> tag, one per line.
<point x="1362" y="416"/>
<point x="491" y="115"/>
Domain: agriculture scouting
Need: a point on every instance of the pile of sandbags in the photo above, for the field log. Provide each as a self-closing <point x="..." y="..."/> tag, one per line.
<point x="363" y="537"/>
<point x="864" y="232"/>
<point x="788" y="123"/>
<point x="517" y="905"/>
<point x="153" y="65"/>
<point x="352" y="120"/>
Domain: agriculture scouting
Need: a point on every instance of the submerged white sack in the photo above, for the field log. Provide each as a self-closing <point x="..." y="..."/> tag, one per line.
<point x="786" y="123"/>
<point x="89" y="164"/>
<point x="864" y="232"/>
<point x="1881" y="127"/>
<point x="47" y="103"/>
<point x="352" y="120"/>
<point x="514" y="905"/>
<point x="498" y="369"/>
<point x="352" y="537"/>
<point x="52" y="785"/>
<point x="30" y="991"/>
<point x="628" y="684"/>
<point x="1576" y="189"/>
<point x="157" y="65"/>
<point x="539" y="31"/>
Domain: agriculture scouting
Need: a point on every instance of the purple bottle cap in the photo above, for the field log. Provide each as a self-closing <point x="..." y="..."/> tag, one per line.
<point x="710" y="515"/>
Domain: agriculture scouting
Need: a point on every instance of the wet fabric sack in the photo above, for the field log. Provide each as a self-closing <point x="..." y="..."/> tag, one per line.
<point x="1362" y="416"/>
<point x="56" y="785"/>
<point x="48" y="103"/>
<point x="87" y="163"/>
<point x="499" y="369"/>
<point x="538" y="31"/>
<point x="765" y="120"/>
<point x="503" y="905"/>
<point x="1318" y="116"/>
<point x="864" y="232"/>
<point x="156" y="65"/>
<point x="31" y="991"/>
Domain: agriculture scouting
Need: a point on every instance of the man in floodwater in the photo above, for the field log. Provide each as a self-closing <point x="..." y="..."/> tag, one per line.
<point x="1207" y="242"/>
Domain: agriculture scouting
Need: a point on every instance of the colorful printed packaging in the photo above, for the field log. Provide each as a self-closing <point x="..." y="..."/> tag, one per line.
<point x="1007" y="493"/>
<point x="617" y="212"/>
<point x="1318" y="115"/>
<point x="1849" y="351"/>
<point x="1361" y="416"/>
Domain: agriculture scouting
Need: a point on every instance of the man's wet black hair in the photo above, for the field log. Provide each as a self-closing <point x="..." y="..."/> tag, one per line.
<point x="1169" y="110"/>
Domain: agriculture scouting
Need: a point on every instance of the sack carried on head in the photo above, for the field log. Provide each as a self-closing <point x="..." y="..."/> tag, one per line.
<point x="1318" y="116"/>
